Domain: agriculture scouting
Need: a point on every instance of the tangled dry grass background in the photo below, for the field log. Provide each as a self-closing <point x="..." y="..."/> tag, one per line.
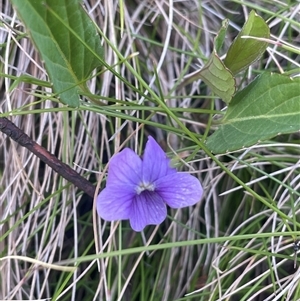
<point x="46" y="218"/>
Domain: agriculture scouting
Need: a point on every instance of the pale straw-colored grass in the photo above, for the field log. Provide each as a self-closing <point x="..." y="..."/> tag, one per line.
<point x="45" y="219"/>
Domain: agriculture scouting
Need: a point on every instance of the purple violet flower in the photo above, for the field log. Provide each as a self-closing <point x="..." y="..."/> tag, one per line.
<point x="139" y="189"/>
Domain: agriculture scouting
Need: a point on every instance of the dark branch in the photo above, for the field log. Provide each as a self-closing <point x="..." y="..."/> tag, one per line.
<point x="11" y="130"/>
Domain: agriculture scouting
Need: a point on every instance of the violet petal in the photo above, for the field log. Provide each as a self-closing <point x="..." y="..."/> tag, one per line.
<point x="114" y="204"/>
<point x="156" y="164"/>
<point x="125" y="169"/>
<point x="147" y="208"/>
<point x="179" y="190"/>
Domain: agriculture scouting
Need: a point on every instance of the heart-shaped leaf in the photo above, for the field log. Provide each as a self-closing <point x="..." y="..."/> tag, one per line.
<point x="245" y="51"/>
<point x="67" y="41"/>
<point x="269" y="106"/>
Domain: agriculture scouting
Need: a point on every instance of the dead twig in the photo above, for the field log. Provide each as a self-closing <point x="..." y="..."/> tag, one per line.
<point x="64" y="170"/>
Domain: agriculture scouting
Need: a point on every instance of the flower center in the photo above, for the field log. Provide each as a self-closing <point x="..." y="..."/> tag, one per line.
<point x="144" y="186"/>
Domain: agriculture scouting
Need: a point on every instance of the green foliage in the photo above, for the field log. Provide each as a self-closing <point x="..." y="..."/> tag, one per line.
<point x="245" y="51"/>
<point x="219" y="39"/>
<point x="267" y="107"/>
<point x="67" y="42"/>
<point x="218" y="78"/>
<point x="218" y="75"/>
<point x="214" y="73"/>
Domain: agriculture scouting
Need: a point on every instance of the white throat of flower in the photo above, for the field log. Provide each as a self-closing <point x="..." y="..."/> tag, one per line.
<point x="144" y="186"/>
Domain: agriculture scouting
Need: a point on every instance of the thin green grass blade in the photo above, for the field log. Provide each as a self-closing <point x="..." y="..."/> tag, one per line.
<point x="269" y="106"/>
<point x="67" y="58"/>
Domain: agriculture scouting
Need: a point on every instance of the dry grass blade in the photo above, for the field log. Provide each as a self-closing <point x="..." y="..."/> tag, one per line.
<point x="44" y="218"/>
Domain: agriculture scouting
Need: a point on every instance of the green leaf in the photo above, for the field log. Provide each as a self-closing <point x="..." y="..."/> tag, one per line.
<point x="67" y="41"/>
<point x="218" y="78"/>
<point x="269" y="106"/>
<point x="245" y="51"/>
<point x="214" y="73"/>
<point x="219" y="39"/>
